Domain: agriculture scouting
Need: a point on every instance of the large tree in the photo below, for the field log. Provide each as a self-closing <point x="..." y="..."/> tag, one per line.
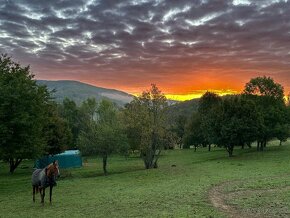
<point x="209" y="110"/>
<point x="103" y="133"/>
<point x="23" y="112"/>
<point x="178" y="128"/>
<point x="56" y="131"/>
<point x="144" y="119"/>
<point x="193" y="133"/>
<point x="269" y="99"/>
<point x="265" y="86"/>
<point x="69" y="112"/>
<point x="240" y="122"/>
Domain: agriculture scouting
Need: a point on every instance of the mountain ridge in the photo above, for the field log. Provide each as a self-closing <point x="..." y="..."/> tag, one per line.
<point x="79" y="91"/>
<point x="83" y="83"/>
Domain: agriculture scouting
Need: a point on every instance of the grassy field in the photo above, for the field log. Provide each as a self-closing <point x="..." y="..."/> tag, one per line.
<point x="248" y="184"/>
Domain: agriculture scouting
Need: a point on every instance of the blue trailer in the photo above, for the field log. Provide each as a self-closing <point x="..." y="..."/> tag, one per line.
<point x="67" y="159"/>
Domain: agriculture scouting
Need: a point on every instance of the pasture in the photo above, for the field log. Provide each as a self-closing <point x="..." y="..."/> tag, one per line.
<point x="202" y="184"/>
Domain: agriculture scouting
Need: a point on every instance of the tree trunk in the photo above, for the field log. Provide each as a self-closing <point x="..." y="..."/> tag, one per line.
<point x="209" y="147"/>
<point x="265" y="143"/>
<point x="150" y="159"/>
<point x="156" y="158"/>
<point x="230" y="150"/>
<point x="13" y="164"/>
<point x="280" y="143"/>
<point x="262" y="146"/>
<point x="105" y="156"/>
<point x="147" y="165"/>
<point x="147" y="158"/>
<point x="195" y="148"/>
<point x="258" y="146"/>
<point x="243" y="145"/>
<point x="155" y="165"/>
<point x="249" y="144"/>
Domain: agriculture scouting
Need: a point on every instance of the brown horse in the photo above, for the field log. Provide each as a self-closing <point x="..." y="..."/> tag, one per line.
<point x="43" y="178"/>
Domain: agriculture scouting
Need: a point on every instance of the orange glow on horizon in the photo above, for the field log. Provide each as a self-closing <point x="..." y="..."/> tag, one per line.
<point x="182" y="89"/>
<point x="194" y="94"/>
<point x="198" y="94"/>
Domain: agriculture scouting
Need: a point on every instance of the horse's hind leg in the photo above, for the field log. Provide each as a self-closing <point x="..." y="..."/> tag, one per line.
<point x="33" y="193"/>
<point x="40" y="192"/>
<point x="43" y="195"/>
<point x="50" y="193"/>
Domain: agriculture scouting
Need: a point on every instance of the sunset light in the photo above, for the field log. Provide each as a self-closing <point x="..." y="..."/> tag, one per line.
<point x="149" y="108"/>
<point x="198" y="94"/>
<point x="185" y="47"/>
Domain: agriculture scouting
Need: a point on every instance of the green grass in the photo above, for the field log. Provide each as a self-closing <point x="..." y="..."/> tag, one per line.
<point x="181" y="191"/>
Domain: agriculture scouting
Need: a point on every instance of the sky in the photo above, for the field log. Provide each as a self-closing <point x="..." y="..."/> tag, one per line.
<point x="184" y="46"/>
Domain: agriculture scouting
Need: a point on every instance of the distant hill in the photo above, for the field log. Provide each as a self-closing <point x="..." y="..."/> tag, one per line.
<point x="79" y="92"/>
<point x="185" y="108"/>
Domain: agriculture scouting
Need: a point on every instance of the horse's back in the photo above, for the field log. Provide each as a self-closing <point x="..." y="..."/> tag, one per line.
<point x="38" y="177"/>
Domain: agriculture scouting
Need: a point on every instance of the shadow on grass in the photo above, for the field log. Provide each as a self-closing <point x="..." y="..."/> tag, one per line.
<point x="66" y="174"/>
<point x="239" y="154"/>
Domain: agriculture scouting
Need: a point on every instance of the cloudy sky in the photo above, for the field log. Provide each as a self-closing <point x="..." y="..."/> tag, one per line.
<point x="183" y="46"/>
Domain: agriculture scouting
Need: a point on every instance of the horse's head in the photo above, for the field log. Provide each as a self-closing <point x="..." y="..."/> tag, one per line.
<point x="52" y="170"/>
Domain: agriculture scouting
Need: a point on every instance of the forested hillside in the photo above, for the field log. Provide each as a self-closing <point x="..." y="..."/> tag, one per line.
<point x="79" y="92"/>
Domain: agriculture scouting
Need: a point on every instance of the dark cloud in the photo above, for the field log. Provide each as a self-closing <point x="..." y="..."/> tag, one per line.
<point x="145" y="40"/>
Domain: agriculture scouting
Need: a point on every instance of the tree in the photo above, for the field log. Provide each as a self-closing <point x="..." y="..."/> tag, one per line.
<point x="88" y="109"/>
<point x="209" y="110"/>
<point x="282" y="127"/>
<point x="269" y="99"/>
<point x="193" y="133"/>
<point x="103" y="134"/>
<point x="208" y="101"/>
<point x="282" y="132"/>
<point x="69" y="112"/>
<point x="57" y="133"/>
<point x="22" y="113"/>
<point x="264" y="86"/>
<point x="170" y="139"/>
<point x="178" y="128"/>
<point x="145" y="124"/>
<point x="240" y="122"/>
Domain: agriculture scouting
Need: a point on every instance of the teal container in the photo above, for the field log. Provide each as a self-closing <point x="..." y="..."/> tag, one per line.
<point x="67" y="159"/>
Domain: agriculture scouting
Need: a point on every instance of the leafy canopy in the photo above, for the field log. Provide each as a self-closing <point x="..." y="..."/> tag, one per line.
<point x="22" y="113"/>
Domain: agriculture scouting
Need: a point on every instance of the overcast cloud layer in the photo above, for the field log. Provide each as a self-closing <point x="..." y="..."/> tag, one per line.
<point x="129" y="44"/>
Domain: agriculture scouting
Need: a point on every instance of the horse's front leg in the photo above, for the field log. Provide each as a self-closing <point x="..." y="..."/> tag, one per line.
<point x="50" y="192"/>
<point x="33" y="193"/>
<point x="42" y="195"/>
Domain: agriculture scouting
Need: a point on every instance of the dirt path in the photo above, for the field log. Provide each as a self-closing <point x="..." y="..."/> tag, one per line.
<point x="219" y="198"/>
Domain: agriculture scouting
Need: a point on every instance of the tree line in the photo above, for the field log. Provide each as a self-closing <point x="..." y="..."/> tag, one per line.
<point x="103" y="128"/>
<point x="32" y="124"/>
<point x="257" y="115"/>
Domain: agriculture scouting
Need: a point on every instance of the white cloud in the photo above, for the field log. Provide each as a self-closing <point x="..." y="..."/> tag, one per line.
<point x="241" y="2"/>
<point x="172" y="12"/>
<point x="203" y="20"/>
